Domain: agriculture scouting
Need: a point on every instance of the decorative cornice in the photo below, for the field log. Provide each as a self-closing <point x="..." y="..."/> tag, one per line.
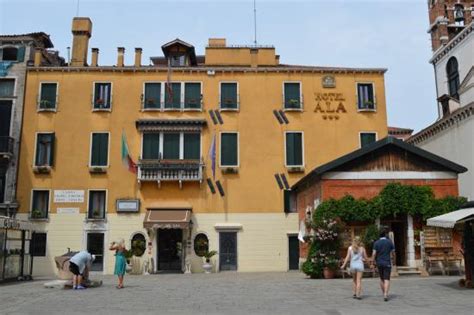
<point x="444" y="50"/>
<point x="457" y="116"/>
<point x="204" y="69"/>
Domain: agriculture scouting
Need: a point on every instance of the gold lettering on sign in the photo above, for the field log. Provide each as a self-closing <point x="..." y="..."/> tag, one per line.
<point x="330" y="105"/>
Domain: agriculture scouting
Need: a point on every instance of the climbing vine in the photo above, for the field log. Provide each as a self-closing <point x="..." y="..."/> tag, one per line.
<point x="394" y="199"/>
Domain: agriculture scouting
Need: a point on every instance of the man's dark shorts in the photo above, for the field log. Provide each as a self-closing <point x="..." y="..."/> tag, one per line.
<point x="74" y="269"/>
<point x="384" y="272"/>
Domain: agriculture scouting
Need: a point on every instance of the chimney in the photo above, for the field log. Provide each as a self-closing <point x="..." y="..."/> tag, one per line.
<point x="217" y="42"/>
<point x="37" y="60"/>
<point x="138" y="57"/>
<point x="81" y="32"/>
<point x="120" y="56"/>
<point x="95" y="57"/>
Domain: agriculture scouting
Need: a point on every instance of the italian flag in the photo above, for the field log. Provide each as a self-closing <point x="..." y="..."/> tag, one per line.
<point x="126" y="159"/>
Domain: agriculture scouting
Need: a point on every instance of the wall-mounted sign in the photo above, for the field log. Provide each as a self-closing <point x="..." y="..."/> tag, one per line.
<point x="329" y="81"/>
<point x="67" y="210"/>
<point x="330" y="105"/>
<point x="68" y="196"/>
<point x="14" y="224"/>
<point x="128" y="205"/>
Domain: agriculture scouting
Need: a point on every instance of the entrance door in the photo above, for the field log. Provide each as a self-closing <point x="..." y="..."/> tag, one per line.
<point x="95" y="246"/>
<point x="170" y="249"/>
<point x="294" y="252"/>
<point x="399" y="237"/>
<point x="5" y="120"/>
<point x="2" y="184"/>
<point x="227" y="251"/>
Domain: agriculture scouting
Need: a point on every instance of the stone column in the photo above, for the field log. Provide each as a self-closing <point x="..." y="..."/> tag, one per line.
<point x="410" y="251"/>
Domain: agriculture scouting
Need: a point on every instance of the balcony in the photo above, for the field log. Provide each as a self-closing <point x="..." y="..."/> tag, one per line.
<point x="170" y="170"/>
<point x="6" y="147"/>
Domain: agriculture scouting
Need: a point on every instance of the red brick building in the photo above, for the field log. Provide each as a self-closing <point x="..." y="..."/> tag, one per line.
<point x="447" y="19"/>
<point x="365" y="172"/>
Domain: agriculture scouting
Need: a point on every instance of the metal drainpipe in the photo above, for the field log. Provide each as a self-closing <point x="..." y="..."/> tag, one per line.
<point x="440" y="115"/>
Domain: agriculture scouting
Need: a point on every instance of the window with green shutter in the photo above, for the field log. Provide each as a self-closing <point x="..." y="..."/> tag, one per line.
<point x="171" y="146"/>
<point x="192" y="146"/>
<point x="192" y="95"/>
<point x="151" y="146"/>
<point x="367" y="138"/>
<point x="229" y="96"/>
<point x="100" y="149"/>
<point x="48" y="96"/>
<point x="294" y="149"/>
<point x="292" y="96"/>
<point x="7" y="87"/>
<point x="173" y="96"/>
<point x="229" y="149"/>
<point x="152" y="95"/>
<point x="44" y="149"/>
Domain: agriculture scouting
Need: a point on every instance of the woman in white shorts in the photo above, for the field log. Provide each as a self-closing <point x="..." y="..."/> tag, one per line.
<point x="356" y="254"/>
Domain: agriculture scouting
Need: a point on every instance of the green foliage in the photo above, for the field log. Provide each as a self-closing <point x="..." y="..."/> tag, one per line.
<point x="209" y="254"/>
<point x="138" y="247"/>
<point x="394" y="199"/>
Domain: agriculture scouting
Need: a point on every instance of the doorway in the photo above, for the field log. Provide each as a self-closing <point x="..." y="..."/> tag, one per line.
<point x="95" y="246"/>
<point x="293" y="253"/>
<point x="170" y="249"/>
<point x="227" y="251"/>
<point x="399" y="238"/>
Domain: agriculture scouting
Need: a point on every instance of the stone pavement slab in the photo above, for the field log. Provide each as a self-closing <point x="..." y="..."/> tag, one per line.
<point x="239" y="293"/>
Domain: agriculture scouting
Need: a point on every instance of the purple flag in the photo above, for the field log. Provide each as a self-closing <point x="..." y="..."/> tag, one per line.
<point x="212" y="156"/>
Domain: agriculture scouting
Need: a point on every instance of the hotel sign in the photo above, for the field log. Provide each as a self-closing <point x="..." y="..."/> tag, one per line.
<point x="69" y="196"/>
<point x="128" y="205"/>
<point x="330" y="105"/>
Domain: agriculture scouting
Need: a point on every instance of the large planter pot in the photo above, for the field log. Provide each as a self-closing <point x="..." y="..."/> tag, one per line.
<point x="328" y="273"/>
<point x="207" y="267"/>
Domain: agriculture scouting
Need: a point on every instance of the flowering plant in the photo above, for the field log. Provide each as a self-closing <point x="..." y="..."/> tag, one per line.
<point x="327" y="230"/>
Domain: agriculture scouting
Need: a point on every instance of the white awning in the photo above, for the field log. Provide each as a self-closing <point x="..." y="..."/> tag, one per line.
<point x="448" y="220"/>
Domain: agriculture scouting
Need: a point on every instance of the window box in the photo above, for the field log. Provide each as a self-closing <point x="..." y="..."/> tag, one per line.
<point x="44" y="169"/>
<point x="98" y="169"/>
<point x="37" y="214"/>
<point x="295" y="169"/>
<point x="230" y="170"/>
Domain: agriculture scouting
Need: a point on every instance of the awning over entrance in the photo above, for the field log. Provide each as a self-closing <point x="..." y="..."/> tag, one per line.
<point x="172" y="216"/>
<point x="448" y="220"/>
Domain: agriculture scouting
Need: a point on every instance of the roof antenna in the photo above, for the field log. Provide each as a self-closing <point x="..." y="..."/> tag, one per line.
<point x="77" y="9"/>
<point x="255" y="21"/>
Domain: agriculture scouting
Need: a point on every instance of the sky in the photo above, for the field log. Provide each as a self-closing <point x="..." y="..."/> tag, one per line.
<point x="389" y="34"/>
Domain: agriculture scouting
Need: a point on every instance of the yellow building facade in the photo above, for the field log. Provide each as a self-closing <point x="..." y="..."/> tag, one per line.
<point x="268" y="123"/>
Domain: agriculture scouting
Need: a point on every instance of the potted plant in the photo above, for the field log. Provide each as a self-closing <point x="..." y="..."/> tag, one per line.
<point x="207" y="266"/>
<point x="36" y="214"/>
<point x="128" y="257"/>
<point x="45" y="104"/>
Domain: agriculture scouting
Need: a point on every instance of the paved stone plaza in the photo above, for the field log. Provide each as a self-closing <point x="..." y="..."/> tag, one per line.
<point x="239" y="293"/>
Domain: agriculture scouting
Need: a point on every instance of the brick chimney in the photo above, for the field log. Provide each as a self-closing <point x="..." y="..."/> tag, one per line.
<point x="138" y="57"/>
<point x="95" y="57"/>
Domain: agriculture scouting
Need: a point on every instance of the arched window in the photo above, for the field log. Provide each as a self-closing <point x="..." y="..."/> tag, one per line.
<point x="453" y="77"/>
<point x="10" y="54"/>
<point x="138" y="244"/>
<point x="201" y="244"/>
